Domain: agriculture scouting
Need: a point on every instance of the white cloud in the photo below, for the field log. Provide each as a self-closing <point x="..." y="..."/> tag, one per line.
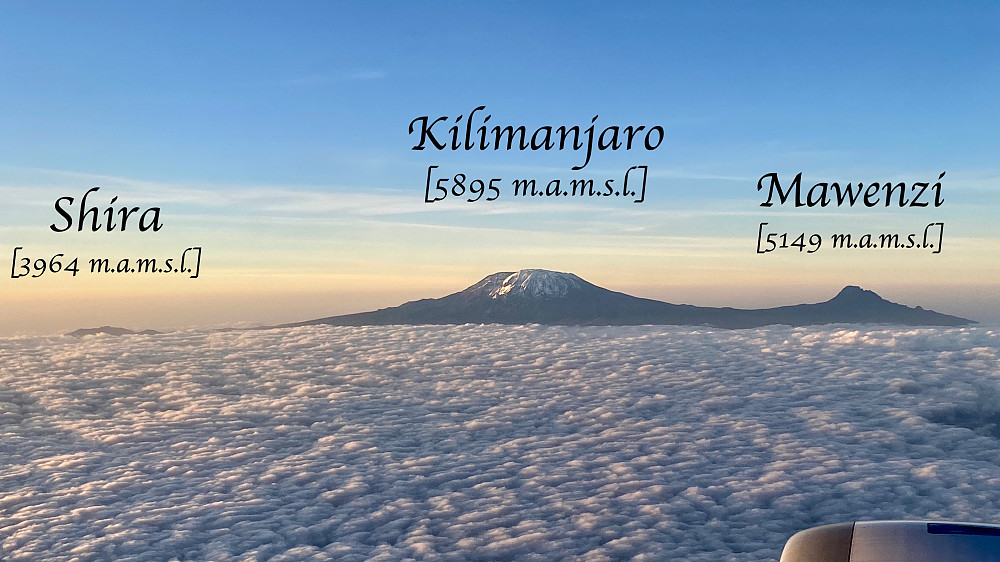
<point x="488" y="441"/>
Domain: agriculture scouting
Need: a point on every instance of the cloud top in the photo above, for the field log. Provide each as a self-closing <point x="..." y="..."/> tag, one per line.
<point x="484" y="442"/>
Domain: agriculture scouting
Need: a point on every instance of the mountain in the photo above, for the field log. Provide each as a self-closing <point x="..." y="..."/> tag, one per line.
<point x="538" y="296"/>
<point x="110" y="330"/>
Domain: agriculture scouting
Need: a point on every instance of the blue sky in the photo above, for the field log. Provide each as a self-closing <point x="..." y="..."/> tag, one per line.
<point x="280" y="133"/>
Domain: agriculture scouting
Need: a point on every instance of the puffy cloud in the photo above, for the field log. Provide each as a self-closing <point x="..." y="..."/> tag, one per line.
<point x="485" y="442"/>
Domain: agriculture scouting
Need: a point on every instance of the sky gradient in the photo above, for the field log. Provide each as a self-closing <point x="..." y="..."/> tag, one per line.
<point x="276" y="139"/>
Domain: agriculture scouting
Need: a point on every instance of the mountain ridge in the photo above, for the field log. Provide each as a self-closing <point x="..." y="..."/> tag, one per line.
<point x="539" y="296"/>
<point x="111" y="331"/>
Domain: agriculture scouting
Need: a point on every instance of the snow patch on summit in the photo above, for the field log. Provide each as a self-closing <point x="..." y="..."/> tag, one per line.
<point x="537" y="283"/>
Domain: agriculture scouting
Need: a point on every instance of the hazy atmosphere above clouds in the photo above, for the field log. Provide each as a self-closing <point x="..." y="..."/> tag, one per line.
<point x="278" y="141"/>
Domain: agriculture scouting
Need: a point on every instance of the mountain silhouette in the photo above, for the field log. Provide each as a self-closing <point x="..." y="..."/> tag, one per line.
<point x="109" y="330"/>
<point x="538" y="296"/>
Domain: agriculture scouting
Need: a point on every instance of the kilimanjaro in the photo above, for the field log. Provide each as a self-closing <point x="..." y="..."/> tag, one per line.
<point x="538" y="296"/>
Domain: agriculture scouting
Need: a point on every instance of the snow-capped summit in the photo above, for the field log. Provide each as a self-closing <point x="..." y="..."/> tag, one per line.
<point x="537" y="283"/>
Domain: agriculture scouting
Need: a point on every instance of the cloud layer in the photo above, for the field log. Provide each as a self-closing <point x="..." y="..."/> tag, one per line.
<point x="486" y="442"/>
